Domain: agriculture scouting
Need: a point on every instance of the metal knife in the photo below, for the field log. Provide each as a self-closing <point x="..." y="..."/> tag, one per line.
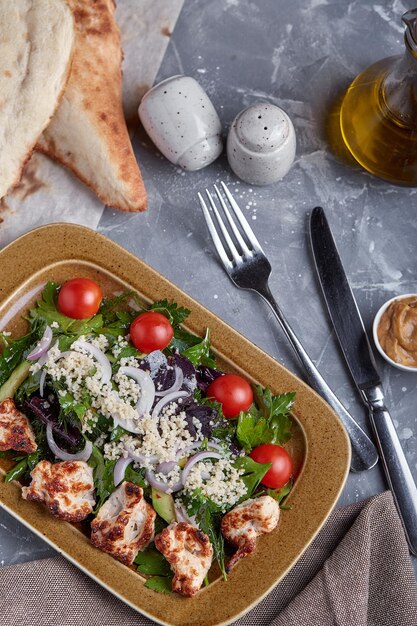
<point x="354" y="342"/>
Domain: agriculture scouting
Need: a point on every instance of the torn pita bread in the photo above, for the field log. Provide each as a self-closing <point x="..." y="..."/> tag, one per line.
<point x="36" y="39"/>
<point x="88" y="132"/>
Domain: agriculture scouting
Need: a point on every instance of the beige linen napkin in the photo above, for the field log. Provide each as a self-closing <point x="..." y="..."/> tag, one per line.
<point x="357" y="572"/>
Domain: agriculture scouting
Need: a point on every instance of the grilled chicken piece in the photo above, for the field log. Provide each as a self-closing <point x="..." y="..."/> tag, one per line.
<point x="125" y="523"/>
<point x="189" y="552"/>
<point x="65" y="488"/>
<point x="247" y="521"/>
<point x="15" y="431"/>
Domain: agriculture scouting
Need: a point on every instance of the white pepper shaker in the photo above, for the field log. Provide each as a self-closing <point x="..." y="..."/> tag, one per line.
<point x="182" y="122"/>
<point x="261" y="144"/>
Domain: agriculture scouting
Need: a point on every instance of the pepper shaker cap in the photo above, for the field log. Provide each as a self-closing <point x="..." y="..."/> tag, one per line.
<point x="261" y="144"/>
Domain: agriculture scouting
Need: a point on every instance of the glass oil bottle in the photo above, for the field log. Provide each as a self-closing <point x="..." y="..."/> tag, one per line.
<point x="378" y="116"/>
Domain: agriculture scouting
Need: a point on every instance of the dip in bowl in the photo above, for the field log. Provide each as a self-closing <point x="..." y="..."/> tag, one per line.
<point x="395" y="331"/>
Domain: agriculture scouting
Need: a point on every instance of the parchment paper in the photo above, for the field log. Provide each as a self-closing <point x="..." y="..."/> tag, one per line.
<point x="49" y="193"/>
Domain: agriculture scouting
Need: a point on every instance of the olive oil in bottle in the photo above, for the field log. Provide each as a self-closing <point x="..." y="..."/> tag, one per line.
<point x="378" y="117"/>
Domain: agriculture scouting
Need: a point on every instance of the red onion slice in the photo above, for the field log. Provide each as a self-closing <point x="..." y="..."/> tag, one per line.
<point x="185" y="451"/>
<point x="127" y="424"/>
<point x="161" y="485"/>
<point x="171" y="397"/>
<point x="141" y="458"/>
<point x="176" y="386"/>
<point x="42" y="346"/>
<point x="181" y="515"/>
<point x="42" y="383"/>
<point x="200" y="456"/>
<point x="42" y="362"/>
<point x="120" y="469"/>
<point x="147" y="388"/>
<point x="83" y="455"/>
<point x="215" y="446"/>
<point x="99" y="356"/>
<point x="165" y="467"/>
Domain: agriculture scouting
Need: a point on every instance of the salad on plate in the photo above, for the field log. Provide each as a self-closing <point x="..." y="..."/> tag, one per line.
<point x="115" y="416"/>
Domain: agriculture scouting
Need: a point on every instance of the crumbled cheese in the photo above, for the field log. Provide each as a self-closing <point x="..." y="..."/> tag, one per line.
<point x="6" y="333"/>
<point x="129" y="361"/>
<point x="101" y="342"/>
<point x="79" y="372"/>
<point x="75" y="370"/>
<point x="118" y="346"/>
<point x="164" y="437"/>
<point x="54" y="325"/>
<point x="99" y="442"/>
<point x="89" y="421"/>
<point x="114" y="450"/>
<point x="219" y="481"/>
<point x="170" y="478"/>
<point x="128" y="388"/>
<point x="35" y="367"/>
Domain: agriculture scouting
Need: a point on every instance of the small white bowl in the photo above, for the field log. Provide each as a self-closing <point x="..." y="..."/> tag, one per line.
<point x="405" y="368"/>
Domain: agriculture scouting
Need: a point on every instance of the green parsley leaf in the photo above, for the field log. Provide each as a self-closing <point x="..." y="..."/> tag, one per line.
<point x="24" y="466"/>
<point x="127" y="352"/>
<point x="117" y="432"/>
<point x="161" y="584"/>
<point x="282" y="492"/>
<point x="13" y="354"/>
<point x="200" y="354"/>
<point x="152" y="563"/>
<point x="209" y="522"/>
<point x="252" y="431"/>
<point x="136" y="478"/>
<point x="183" y="340"/>
<point x="69" y="406"/>
<point x="103" y="476"/>
<point x="46" y="308"/>
<point x="267" y="421"/>
<point x="110" y="307"/>
<point x="17" y="471"/>
<point x="271" y="405"/>
<point x="176" y="314"/>
<point x="27" y="388"/>
<point x="254" y="472"/>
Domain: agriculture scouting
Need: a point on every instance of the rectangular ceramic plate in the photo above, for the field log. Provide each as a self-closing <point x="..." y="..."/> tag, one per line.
<point x="60" y="252"/>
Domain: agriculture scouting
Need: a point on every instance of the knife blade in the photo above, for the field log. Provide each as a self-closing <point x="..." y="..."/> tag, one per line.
<point x="350" y="331"/>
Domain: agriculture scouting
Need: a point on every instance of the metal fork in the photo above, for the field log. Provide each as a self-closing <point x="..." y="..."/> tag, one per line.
<point x="248" y="267"/>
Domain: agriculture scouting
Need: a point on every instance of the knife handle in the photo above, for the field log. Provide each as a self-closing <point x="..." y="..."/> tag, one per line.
<point x="399" y="477"/>
<point x="364" y="453"/>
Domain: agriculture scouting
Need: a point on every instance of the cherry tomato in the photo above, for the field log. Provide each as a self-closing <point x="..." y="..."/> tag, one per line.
<point x="151" y="331"/>
<point x="233" y="392"/>
<point x="281" y="470"/>
<point x="79" y="298"/>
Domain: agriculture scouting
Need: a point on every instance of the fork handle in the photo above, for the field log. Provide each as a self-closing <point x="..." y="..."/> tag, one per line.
<point x="364" y="453"/>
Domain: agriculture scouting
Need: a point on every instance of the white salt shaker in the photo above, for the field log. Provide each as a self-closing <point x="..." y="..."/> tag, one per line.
<point x="261" y="144"/>
<point x="182" y="122"/>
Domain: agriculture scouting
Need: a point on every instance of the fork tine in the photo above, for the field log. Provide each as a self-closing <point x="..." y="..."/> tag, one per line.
<point x="233" y="226"/>
<point x="242" y="219"/>
<point x="233" y="250"/>
<point x="213" y="232"/>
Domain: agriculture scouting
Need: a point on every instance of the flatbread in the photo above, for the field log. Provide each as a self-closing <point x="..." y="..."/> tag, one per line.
<point x="88" y="133"/>
<point x="36" y="39"/>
